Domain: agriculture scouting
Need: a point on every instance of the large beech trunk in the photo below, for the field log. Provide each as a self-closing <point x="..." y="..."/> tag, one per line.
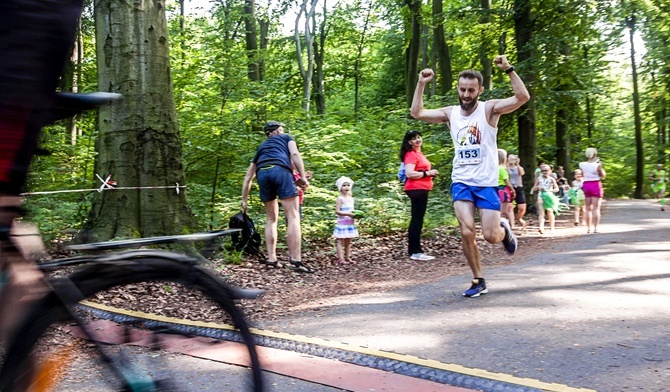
<point x="139" y="143"/>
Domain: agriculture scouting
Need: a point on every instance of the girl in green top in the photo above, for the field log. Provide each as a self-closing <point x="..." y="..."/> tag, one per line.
<point x="505" y="189"/>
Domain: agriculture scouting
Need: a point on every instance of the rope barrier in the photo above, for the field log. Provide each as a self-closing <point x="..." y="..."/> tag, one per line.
<point x="107" y="185"/>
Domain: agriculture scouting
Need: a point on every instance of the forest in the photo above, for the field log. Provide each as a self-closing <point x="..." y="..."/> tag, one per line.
<point x="198" y="87"/>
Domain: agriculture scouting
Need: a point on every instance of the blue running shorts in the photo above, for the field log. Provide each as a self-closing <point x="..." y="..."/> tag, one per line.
<point x="274" y="182"/>
<point x="485" y="197"/>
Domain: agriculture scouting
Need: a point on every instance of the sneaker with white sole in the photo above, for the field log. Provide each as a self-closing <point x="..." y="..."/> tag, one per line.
<point x="509" y="242"/>
<point x="421" y="256"/>
<point x="478" y="287"/>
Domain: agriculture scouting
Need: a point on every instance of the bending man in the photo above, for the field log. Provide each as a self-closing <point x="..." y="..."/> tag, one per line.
<point x="273" y="165"/>
<point x="473" y="125"/>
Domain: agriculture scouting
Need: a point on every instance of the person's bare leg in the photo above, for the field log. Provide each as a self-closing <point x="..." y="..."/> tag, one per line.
<point x="347" y="250"/>
<point x="271" y="216"/>
<point x="540" y="214"/>
<point x="23" y="281"/>
<point x="577" y="208"/>
<point x="465" y="214"/>
<point x="293" y="231"/>
<point x="491" y="229"/>
<point x="510" y="214"/>
<point x="340" y="250"/>
<point x="552" y="221"/>
<point x="588" y="213"/>
<point x="520" y="212"/>
<point x="596" y="214"/>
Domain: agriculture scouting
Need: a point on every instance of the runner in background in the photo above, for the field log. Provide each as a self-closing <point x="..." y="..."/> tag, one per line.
<point x="658" y="179"/>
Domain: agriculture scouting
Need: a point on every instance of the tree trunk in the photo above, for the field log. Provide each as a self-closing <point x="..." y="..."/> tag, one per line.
<point x="442" y="49"/>
<point x="485" y="48"/>
<point x="589" y="105"/>
<point x="70" y="82"/>
<point x="265" y="26"/>
<point x="412" y="51"/>
<point x="182" y="19"/>
<point x="305" y="71"/>
<point x="526" y="114"/>
<point x="357" y="63"/>
<point x="563" y="118"/>
<point x="139" y="143"/>
<point x="250" y="38"/>
<point x="563" y="140"/>
<point x="318" y="78"/>
<point x="639" y="159"/>
<point x="664" y="132"/>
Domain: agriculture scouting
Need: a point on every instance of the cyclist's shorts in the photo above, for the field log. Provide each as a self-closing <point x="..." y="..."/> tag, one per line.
<point x="16" y="150"/>
<point x="485" y="197"/>
<point x="35" y="40"/>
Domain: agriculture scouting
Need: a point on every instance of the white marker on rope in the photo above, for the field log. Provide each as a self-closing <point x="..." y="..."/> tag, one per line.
<point x="107" y="184"/>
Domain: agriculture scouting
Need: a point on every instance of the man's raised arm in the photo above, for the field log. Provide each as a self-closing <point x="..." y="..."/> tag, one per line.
<point x="434" y="116"/>
<point x="521" y="94"/>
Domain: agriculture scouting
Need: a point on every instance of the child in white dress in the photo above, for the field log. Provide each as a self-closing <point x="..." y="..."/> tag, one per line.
<point x="345" y="227"/>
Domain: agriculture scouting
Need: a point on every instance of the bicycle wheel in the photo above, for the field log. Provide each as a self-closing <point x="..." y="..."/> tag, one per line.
<point x="95" y="280"/>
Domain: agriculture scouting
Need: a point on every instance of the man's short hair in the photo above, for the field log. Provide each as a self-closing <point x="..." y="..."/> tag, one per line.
<point x="271" y="126"/>
<point x="472" y="74"/>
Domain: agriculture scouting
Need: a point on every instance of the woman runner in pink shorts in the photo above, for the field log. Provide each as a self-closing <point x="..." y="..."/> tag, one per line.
<point x="593" y="188"/>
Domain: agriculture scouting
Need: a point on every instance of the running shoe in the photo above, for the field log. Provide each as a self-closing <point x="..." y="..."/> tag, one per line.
<point x="478" y="287"/>
<point x="510" y="240"/>
<point x="421" y="256"/>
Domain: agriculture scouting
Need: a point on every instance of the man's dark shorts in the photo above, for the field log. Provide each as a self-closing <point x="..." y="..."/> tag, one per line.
<point x="275" y="182"/>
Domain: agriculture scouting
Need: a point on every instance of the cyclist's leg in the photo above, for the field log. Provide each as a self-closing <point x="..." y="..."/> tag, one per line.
<point x="102" y="276"/>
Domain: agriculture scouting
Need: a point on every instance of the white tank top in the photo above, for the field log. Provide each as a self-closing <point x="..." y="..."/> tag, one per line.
<point x="475" y="147"/>
<point x="590" y="171"/>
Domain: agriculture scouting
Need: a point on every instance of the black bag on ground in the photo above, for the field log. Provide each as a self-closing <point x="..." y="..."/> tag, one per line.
<point x="247" y="240"/>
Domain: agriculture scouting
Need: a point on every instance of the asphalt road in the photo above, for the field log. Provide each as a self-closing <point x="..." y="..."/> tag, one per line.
<point x="590" y="311"/>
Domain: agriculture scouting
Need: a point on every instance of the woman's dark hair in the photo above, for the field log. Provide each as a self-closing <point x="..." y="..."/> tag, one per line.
<point x="406" y="147"/>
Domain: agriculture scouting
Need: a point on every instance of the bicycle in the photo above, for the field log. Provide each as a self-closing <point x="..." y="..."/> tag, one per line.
<point x="97" y="273"/>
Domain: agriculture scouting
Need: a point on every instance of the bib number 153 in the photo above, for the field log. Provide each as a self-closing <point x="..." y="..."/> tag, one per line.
<point x="469" y="156"/>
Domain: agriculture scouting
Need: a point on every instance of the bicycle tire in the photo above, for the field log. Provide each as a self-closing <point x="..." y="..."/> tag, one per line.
<point x="103" y="275"/>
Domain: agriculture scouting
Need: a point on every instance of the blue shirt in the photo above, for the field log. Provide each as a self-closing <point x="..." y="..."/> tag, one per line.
<point x="274" y="151"/>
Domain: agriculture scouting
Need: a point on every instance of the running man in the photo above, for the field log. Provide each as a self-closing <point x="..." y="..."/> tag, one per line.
<point x="473" y="125"/>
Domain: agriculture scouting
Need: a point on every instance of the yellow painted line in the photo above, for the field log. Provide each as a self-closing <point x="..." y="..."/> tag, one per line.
<point x="480" y="373"/>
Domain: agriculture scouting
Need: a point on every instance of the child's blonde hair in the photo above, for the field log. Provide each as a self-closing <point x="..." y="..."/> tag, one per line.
<point x="591" y="152"/>
<point x="502" y="156"/>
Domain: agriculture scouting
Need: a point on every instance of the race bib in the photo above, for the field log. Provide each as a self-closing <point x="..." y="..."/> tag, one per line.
<point x="470" y="155"/>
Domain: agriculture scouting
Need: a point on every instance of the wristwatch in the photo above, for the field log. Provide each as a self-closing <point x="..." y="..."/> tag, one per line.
<point x="510" y="69"/>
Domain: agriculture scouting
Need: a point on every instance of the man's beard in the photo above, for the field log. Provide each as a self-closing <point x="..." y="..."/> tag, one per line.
<point x="468" y="106"/>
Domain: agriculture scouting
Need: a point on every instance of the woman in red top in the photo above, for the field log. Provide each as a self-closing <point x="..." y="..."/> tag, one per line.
<point x="419" y="182"/>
